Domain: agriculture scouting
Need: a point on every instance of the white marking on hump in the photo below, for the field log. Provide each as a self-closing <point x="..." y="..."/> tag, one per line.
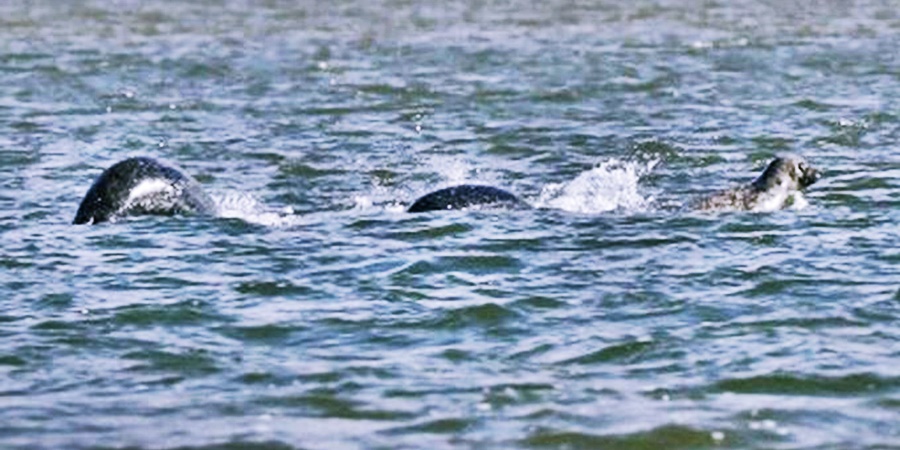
<point x="148" y="187"/>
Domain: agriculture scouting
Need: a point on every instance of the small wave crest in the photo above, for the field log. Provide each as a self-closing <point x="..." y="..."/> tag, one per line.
<point x="245" y="206"/>
<point x="610" y="186"/>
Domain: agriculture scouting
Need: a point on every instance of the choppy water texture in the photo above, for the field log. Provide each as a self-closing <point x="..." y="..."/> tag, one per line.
<point x="317" y="314"/>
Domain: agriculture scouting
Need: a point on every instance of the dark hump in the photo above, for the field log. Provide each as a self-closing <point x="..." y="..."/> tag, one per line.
<point x="467" y="196"/>
<point x="108" y="195"/>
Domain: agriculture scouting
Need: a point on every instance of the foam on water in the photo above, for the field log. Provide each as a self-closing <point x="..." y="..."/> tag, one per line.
<point x="379" y="201"/>
<point x="610" y="186"/>
<point x="245" y="206"/>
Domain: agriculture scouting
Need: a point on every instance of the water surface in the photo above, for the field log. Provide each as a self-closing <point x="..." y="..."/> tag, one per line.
<point x="315" y="313"/>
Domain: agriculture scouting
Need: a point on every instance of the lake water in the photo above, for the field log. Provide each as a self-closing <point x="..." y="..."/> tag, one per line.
<point x="316" y="313"/>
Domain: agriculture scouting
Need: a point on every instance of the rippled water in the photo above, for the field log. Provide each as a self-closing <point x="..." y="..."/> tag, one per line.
<point x="317" y="314"/>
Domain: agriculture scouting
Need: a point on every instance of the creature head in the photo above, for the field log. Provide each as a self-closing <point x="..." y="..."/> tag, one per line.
<point x="790" y="172"/>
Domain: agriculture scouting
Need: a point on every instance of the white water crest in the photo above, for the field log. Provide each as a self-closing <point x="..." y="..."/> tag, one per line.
<point x="612" y="185"/>
<point x="245" y="206"/>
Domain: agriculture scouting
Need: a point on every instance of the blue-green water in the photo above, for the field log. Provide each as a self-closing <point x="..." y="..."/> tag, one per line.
<point x="317" y="314"/>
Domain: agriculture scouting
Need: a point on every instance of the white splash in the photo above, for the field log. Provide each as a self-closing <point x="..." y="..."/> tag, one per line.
<point x="244" y="206"/>
<point x="386" y="202"/>
<point x="613" y="185"/>
<point x="455" y="170"/>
